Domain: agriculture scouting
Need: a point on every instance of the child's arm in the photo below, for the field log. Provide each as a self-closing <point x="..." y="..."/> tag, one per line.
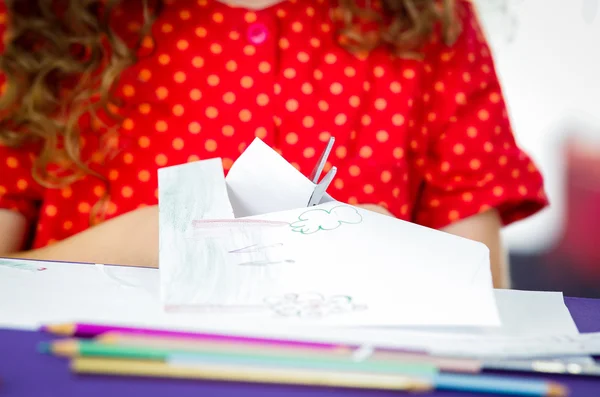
<point x="13" y="230"/>
<point x="130" y="239"/>
<point x="485" y="228"/>
<point x="474" y="176"/>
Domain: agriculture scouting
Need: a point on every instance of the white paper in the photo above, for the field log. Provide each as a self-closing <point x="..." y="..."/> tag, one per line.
<point x="64" y="292"/>
<point x="67" y="292"/>
<point x="522" y="313"/>
<point x="261" y="181"/>
<point x="531" y="322"/>
<point x="331" y="264"/>
<point x="187" y="193"/>
<point x="346" y="265"/>
<point x="554" y="346"/>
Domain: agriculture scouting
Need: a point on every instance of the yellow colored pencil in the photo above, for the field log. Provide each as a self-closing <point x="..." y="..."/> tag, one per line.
<point x="104" y="366"/>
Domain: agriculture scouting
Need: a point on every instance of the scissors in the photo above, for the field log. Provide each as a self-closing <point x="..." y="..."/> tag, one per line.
<point x="321" y="187"/>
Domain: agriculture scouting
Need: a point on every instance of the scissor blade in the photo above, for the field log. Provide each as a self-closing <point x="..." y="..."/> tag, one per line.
<point x="321" y="188"/>
<point x="316" y="173"/>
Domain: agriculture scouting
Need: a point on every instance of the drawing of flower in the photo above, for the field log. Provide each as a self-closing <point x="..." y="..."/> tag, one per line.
<point x="312" y="221"/>
<point x="312" y="305"/>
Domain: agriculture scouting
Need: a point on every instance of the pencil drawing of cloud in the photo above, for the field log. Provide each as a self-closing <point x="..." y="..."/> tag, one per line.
<point x="312" y="305"/>
<point x="312" y="221"/>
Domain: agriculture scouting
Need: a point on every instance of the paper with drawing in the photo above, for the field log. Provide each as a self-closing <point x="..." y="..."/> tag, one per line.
<point x="181" y="189"/>
<point x="328" y="264"/>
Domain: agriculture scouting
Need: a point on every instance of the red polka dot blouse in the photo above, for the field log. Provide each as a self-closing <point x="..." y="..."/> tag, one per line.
<point x="428" y="139"/>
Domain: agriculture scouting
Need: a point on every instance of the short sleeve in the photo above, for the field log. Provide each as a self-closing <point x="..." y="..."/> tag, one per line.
<point x="18" y="190"/>
<point x="472" y="161"/>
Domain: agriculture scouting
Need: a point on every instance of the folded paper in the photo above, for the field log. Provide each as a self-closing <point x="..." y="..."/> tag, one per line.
<point x="331" y="264"/>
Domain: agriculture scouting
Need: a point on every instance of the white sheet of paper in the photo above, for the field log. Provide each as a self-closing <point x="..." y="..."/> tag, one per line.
<point x="331" y="264"/>
<point x="30" y="298"/>
<point x="525" y="347"/>
<point x="531" y="320"/>
<point x="519" y="310"/>
<point x="67" y="292"/>
<point x="187" y="192"/>
<point x="261" y="181"/>
<point x="341" y="265"/>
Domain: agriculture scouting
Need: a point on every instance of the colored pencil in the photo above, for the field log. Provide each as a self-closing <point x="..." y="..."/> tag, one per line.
<point x="471" y="383"/>
<point x="446" y="364"/>
<point x="92" y="330"/>
<point x="118" y="338"/>
<point x="497" y="384"/>
<point x="95" y="365"/>
<point x="462" y="365"/>
<point x="441" y="381"/>
<point x="237" y="360"/>
<point x="85" y="330"/>
<point x="545" y="367"/>
<point x="85" y="348"/>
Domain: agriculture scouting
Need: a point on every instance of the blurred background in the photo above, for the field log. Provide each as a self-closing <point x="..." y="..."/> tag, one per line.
<point x="547" y="55"/>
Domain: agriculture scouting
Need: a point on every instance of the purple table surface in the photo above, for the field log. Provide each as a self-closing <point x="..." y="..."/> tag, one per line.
<point x="24" y="372"/>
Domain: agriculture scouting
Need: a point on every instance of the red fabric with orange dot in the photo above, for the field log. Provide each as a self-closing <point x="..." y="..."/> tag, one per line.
<point x="429" y="140"/>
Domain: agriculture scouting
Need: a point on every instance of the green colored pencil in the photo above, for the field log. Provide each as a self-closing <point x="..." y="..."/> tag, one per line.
<point x="86" y="348"/>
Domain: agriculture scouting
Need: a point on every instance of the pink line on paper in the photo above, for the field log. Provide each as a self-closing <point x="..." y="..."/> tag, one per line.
<point x="217" y="223"/>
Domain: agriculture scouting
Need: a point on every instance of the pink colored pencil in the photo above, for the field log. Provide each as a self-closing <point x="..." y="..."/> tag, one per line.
<point x="85" y="330"/>
<point x="92" y="330"/>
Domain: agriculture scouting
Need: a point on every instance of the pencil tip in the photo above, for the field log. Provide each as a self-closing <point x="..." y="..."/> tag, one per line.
<point x="556" y="390"/>
<point x="58" y="329"/>
<point x="44" y="347"/>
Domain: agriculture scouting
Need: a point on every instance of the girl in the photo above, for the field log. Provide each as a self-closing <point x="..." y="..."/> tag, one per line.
<point x="99" y="94"/>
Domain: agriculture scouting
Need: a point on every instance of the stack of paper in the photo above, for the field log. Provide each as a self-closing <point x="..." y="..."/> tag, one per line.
<point x="534" y="324"/>
<point x="244" y="255"/>
<point x="248" y="242"/>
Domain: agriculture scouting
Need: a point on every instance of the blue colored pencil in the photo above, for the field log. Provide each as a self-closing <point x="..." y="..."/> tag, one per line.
<point x="506" y="385"/>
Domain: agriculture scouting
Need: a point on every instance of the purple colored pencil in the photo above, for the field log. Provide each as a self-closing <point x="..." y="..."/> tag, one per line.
<point x="84" y="330"/>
